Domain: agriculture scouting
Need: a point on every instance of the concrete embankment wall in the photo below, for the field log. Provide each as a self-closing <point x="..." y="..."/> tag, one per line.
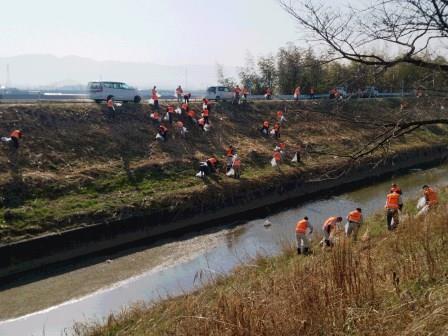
<point x="37" y="252"/>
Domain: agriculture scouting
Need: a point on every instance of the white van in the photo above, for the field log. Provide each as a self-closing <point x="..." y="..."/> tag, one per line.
<point x="219" y="92"/>
<point x="100" y="91"/>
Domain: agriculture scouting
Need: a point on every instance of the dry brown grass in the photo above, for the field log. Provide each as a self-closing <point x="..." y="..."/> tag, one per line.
<point x="393" y="284"/>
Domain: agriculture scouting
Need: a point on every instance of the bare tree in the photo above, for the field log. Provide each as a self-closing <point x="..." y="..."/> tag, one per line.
<point x="410" y="29"/>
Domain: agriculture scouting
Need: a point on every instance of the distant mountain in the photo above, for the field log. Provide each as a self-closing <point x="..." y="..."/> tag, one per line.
<point x="33" y="71"/>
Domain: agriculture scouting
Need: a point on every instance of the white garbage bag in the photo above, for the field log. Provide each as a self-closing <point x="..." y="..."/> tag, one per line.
<point x="421" y="203"/>
<point x="178" y="110"/>
<point x="295" y="159"/>
<point x="6" y="139"/>
<point x="273" y="162"/>
<point x="206" y="127"/>
<point x="166" y="117"/>
<point x="151" y="101"/>
<point x="159" y="137"/>
<point x="231" y="172"/>
<point x="200" y="174"/>
<point x="272" y="132"/>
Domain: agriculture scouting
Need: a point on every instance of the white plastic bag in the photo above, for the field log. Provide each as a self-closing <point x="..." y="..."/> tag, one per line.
<point x="6" y="139"/>
<point x="158" y="95"/>
<point x="272" y="132"/>
<point x="206" y="127"/>
<point x="166" y="117"/>
<point x="200" y="174"/>
<point x="178" y="111"/>
<point x="231" y="172"/>
<point x="295" y="159"/>
<point x="151" y="101"/>
<point x="273" y="162"/>
<point x="421" y="203"/>
<point x="159" y="137"/>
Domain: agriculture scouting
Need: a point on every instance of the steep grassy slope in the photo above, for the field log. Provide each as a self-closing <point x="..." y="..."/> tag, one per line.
<point x="76" y="167"/>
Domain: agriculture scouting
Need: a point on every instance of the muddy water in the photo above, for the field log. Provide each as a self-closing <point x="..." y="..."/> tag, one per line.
<point x="51" y="306"/>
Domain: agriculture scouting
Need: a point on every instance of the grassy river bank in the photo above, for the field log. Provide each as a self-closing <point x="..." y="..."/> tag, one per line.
<point x="389" y="284"/>
<point x="76" y="168"/>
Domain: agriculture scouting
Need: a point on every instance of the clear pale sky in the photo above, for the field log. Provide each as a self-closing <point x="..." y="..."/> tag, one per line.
<point x="165" y="32"/>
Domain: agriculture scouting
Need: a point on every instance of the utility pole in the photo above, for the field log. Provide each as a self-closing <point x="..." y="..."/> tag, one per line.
<point x="8" y="77"/>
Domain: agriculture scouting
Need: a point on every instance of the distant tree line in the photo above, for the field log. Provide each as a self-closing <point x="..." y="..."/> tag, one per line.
<point x="293" y="66"/>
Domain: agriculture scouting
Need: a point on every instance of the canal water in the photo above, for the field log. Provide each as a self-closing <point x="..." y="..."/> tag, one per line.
<point x="51" y="306"/>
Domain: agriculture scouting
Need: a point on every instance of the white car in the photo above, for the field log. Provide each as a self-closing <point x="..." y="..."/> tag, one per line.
<point x="219" y="93"/>
<point x="100" y="91"/>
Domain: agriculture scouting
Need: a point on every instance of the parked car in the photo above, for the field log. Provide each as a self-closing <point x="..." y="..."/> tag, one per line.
<point x="370" y="92"/>
<point x="101" y="91"/>
<point x="219" y="92"/>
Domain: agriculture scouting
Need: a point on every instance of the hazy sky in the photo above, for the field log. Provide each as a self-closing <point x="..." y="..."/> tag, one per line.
<point x="164" y="32"/>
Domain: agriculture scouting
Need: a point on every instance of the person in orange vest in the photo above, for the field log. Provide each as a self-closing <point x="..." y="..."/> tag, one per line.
<point x="303" y="243"/>
<point x="162" y="133"/>
<point x="333" y="93"/>
<point x="277" y="130"/>
<point x="277" y="157"/>
<point x="297" y="93"/>
<point x="201" y="123"/>
<point x="431" y="196"/>
<point x="179" y="93"/>
<point x="265" y="128"/>
<point x="111" y="107"/>
<point x="155" y="117"/>
<point x="230" y="152"/>
<point x="245" y="93"/>
<point x="205" y="114"/>
<point x="192" y="116"/>
<point x="155" y="97"/>
<point x="268" y="94"/>
<point x="312" y="92"/>
<point x="236" y="165"/>
<point x="354" y="220"/>
<point x="236" y="95"/>
<point x="393" y="204"/>
<point x="170" y="112"/>
<point x="187" y="98"/>
<point x="328" y="229"/>
<point x="212" y="164"/>
<point x="14" y="136"/>
<point x="280" y="117"/>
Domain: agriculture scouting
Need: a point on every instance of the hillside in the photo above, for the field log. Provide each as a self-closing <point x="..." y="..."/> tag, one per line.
<point x="76" y="167"/>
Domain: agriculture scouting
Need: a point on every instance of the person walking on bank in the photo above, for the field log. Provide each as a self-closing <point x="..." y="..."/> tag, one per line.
<point x="111" y="107"/>
<point x="355" y="220"/>
<point x="236" y="166"/>
<point x="328" y="229"/>
<point x="179" y="94"/>
<point x="303" y="243"/>
<point x="393" y="204"/>
<point x="14" y="137"/>
<point x="155" y="97"/>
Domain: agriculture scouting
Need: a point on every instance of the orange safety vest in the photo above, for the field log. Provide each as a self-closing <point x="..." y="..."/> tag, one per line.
<point x="170" y="109"/>
<point x="110" y="103"/>
<point x="355" y="216"/>
<point x="229" y="152"/>
<point x="431" y="197"/>
<point x="205" y="113"/>
<point x="331" y="221"/>
<point x="16" y="134"/>
<point x="392" y="201"/>
<point x="265" y="124"/>
<point x="282" y="145"/>
<point x="277" y="156"/>
<point x="301" y="226"/>
<point x="191" y="114"/>
<point x="237" y="163"/>
<point x="279" y="114"/>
